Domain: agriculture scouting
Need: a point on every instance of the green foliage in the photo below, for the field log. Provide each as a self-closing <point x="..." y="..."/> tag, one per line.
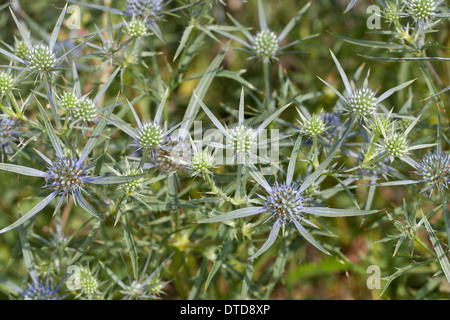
<point x="224" y="149"/>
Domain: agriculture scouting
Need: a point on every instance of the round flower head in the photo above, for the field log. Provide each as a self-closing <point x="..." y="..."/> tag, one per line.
<point x="40" y="291"/>
<point x="266" y="44"/>
<point x="21" y="49"/>
<point x="435" y="169"/>
<point x="285" y="202"/>
<point x="242" y="140"/>
<point x="201" y="161"/>
<point x="396" y="145"/>
<point x="9" y="131"/>
<point x="314" y="126"/>
<point x="332" y="124"/>
<point x="421" y="10"/>
<point x="145" y="9"/>
<point x="135" y="289"/>
<point x="390" y="11"/>
<point x="84" y="111"/>
<point x="69" y="100"/>
<point x="65" y="176"/>
<point x="135" y="185"/>
<point x="136" y="28"/>
<point x="86" y="281"/>
<point x="6" y="82"/>
<point x="362" y="102"/>
<point x="41" y="58"/>
<point x="150" y="135"/>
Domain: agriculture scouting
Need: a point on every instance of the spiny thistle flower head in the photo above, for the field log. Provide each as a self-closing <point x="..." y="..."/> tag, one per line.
<point x="65" y="176"/>
<point x="41" y="58"/>
<point x="362" y="102"/>
<point x="242" y="139"/>
<point x="266" y="44"/>
<point x="435" y="169"/>
<point x="6" y="82"/>
<point x="332" y="124"/>
<point x="134" y="185"/>
<point x="40" y="291"/>
<point x="285" y="202"/>
<point x="136" y="28"/>
<point x="396" y="145"/>
<point x="314" y="126"/>
<point x="145" y="9"/>
<point x="135" y="289"/>
<point x="9" y="130"/>
<point x="421" y="10"/>
<point x="390" y="11"/>
<point x="85" y="110"/>
<point x="201" y="161"/>
<point x="86" y="281"/>
<point x="21" y="49"/>
<point x="150" y="135"/>
<point x="69" y="100"/>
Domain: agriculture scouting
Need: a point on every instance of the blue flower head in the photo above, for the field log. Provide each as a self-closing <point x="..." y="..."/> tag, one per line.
<point x="145" y="9"/>
<point x="40" y="291"/>
<point x="434" y="169"/>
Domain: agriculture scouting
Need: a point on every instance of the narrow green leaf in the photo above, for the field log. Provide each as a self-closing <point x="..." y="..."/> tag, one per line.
<point x="442" y="257"/>
<point x="223" y="251"/>
<point x="270" y="239"/>
<point x="321" y="168"/>
<point x="183" y="41"/>
<point x="54" y="36"/>
<point x="130" y="245"/>
<point x="238" y="213"/>
<point x="22" y="170"/>
<point x="331" y="212"/>
<point x="201" y="89"/>
<point x="87" y="242"/>
<point x="81" y="201"/>
<point x="261" y="16"/>
<point x="105" y="180"/>
<point x="54" y="140"/>
<point x="293" y="21"/>
<point x="308" y="237"/>
<point x="30" y="214"/>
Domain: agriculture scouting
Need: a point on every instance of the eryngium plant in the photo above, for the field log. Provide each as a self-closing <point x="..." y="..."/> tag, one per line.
<point x="111" y="177"/>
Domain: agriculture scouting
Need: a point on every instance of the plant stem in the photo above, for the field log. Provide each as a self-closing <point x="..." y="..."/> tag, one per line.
<point x="266" y="71"/>
<point x="316" y="156"/>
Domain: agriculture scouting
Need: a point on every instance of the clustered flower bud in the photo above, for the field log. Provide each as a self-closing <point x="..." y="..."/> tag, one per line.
<point x="69" y="100"/>
<point x="314" y="126"/>
<point x="421" y="9"/>
<point x="150" y="135"/>
<point x="21" y="49"/>
<point x="396" y="145"/>
<point x="266" y="44"/>
<point x="41" y="58"/>
<point x="86" y="281"/>
<point x="85" y="110"/>
<point x="362" y="102"/>
<point x="6" y="82"/>
<point x="202" y="161"/>
<point x="242" y="140"/>
<point x="137" y="28"/>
